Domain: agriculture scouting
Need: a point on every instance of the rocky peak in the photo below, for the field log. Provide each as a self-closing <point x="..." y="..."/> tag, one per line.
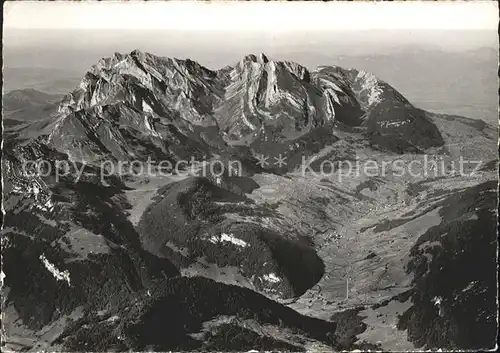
<point x="260" y="58"/>
<point x="256" y="97"/>
<point x="263" y="58"/>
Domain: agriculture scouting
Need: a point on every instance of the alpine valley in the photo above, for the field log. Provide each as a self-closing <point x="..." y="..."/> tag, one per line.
<point x="299" y="255"/>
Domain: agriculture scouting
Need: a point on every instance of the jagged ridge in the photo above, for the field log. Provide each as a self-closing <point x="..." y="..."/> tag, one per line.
<point x="258" y="100"/>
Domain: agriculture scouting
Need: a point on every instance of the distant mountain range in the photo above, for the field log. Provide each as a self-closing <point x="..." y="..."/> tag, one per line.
<point x="275" y="258"/>
<point x="28" y="98"/>
<point x="466" y="85"/>
<point x="47" y="80"/>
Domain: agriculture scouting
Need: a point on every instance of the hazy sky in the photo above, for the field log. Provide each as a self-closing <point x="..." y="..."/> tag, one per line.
<point x="74" y="35"/>
<point x="279" y="16"/>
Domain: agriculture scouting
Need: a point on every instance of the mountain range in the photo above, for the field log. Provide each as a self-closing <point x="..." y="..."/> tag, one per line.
<point x="466" y="85"/>
<point x="277" y="257"/>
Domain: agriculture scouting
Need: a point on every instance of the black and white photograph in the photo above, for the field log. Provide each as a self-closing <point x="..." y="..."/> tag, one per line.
<point x="249" y="176"/>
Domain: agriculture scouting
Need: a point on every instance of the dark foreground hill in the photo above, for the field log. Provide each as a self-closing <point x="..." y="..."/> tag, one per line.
<point x="193" y="211"/>
<point x="200" y="314"/>
<point x="454" y="266"/>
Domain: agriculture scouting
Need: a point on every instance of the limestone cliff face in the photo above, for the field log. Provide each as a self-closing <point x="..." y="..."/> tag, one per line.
<point x="253" y="102"/>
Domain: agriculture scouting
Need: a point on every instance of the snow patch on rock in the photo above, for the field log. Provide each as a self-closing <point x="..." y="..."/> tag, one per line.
<point x="47" y="205"/>
<point x="146" y="107"/>
<point x="120" y="62"/>
<point x="58" y="275"/>
<point x="396" y="123"/>
<point x="370" y="84"/>
<point x="271" y="277"/>
<point x="438" y="301"/>
<point x="469" y="286"/>
<point x="229" y="238"/>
